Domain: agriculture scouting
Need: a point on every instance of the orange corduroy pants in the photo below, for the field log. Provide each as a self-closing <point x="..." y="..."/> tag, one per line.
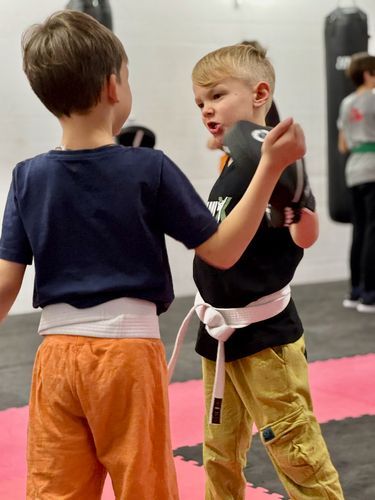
<point x="99" y="406"/>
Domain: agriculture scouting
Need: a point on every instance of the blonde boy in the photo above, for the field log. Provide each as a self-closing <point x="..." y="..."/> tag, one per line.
<point x="266" y="378"/>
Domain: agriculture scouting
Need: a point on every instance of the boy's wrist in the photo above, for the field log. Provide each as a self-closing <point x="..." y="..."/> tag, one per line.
<point x="270" y="168"/>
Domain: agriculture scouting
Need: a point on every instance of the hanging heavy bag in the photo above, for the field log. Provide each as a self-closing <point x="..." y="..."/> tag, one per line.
<point x="98" y="9"/>
<point x="345" y="34"/>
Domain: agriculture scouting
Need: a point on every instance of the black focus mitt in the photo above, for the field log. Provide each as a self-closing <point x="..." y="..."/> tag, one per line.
<point x="243" y="142"/>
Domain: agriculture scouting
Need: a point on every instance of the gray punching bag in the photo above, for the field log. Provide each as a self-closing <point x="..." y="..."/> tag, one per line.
<point x="98" y="9"/>
<point x="345" y="34"/>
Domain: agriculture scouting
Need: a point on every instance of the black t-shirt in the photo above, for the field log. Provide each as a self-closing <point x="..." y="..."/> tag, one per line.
<point x="267" y="265"/>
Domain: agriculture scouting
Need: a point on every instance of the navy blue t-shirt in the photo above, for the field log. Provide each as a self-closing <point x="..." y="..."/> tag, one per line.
<point x="95" y="223"/>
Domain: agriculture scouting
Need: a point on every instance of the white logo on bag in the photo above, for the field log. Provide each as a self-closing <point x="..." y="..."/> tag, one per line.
<point x="260" y="134"/>
<point x="342" y="62"/>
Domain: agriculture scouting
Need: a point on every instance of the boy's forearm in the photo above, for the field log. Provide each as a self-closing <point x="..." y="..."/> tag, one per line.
<point x="306" y="231"/>
<point x="234" y="234"/>
<point x="11" y="276"/>
<point x="342" y="145"/>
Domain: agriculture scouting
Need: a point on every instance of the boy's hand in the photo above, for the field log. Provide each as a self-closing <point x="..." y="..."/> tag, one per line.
<point x="284" y="144"/>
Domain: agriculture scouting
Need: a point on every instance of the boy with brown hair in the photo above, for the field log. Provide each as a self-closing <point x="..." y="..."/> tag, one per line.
<point x="248" y="318"/>
<point x="93" y="216"/>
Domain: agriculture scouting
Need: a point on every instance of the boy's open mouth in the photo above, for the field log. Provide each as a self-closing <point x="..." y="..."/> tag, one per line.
<point x="214" y="127"/>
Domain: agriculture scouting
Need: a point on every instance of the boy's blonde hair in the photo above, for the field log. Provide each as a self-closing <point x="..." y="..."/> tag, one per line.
<point x="242" y="61"/>
<point x="67" y="60"/>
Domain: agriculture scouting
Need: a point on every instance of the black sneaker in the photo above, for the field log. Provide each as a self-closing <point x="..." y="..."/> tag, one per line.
<point x="367" y="303"/>
<point x="353" y="299"/>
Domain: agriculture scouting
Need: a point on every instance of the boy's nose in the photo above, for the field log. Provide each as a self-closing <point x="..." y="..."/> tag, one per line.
<point x="207" y="110"/>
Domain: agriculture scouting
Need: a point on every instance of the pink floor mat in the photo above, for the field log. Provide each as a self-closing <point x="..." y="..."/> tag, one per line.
<point x="341" y="388"/>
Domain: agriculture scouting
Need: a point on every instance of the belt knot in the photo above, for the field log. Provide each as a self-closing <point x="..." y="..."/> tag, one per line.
<point x="215" y="322"/>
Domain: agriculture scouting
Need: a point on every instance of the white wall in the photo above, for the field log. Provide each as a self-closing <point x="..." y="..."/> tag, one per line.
<point x="164" y="39"/>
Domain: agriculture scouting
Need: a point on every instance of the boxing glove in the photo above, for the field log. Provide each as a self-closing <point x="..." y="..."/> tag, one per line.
<point x="243" y="142"/>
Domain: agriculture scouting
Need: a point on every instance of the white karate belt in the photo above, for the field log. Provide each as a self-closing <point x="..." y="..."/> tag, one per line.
<point x="220" y="324"/>
<point x="125" y="317"/>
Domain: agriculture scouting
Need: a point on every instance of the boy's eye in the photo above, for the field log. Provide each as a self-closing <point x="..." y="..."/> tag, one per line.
<point x="217" y="96"/>
<point x="200" y="105"/>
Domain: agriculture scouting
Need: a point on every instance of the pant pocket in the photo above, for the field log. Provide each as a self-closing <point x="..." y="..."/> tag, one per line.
<point x="296" y="445"/>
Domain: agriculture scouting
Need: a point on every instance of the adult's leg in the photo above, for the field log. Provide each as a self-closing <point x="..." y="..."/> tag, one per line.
<point x="274" y="386"/>
<point x="368" y="259"/>
<point x="61" y="454"/>
<point x="358" y="237"/>
<point x="225" y="445"/>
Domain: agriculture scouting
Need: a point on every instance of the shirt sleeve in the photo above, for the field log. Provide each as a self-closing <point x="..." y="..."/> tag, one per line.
<point x="184" y="215"/>
<point x="339" y="122"/>
<point x="14" y="243"/>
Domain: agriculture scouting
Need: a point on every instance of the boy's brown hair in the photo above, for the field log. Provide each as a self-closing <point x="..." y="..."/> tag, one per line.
<point x="67" y="60"/>
<point x="243" y="61"/>
<point x="359" y="63"/>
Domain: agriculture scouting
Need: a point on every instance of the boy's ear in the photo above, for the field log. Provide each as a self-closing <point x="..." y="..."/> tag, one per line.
<point x="112" y="89"/>
<point x="261" y="94"/>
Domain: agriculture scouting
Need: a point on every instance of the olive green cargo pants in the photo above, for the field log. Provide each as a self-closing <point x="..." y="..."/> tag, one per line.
<point x="269" y="389"/>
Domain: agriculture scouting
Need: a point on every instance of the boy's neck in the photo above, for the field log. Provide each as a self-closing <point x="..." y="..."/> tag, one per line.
<point x="259" y="116"/>
<point x="85" y="132"/>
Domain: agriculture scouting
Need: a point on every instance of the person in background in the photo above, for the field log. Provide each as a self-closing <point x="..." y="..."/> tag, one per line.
<point x="356" y="124"/>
